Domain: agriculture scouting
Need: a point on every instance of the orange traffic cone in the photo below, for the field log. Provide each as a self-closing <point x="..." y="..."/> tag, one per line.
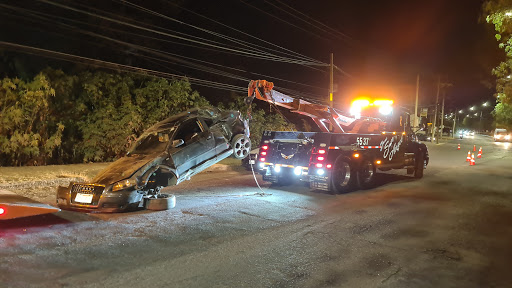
<point x="472" y="161"/>
<point x="458" y="146"/>
<point x="468" y="159"/>
<point x="479" y="153"/>
<point x="474" y="148"/>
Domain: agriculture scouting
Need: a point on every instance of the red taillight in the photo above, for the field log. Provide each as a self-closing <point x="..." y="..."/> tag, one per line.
<point x="319" y="165"/>
<point x="320" y="158"/>
<point x="329" y="166"/>
<point x="321" y="151"/>
<point x="2" y="211"/>
<point x="264" y="147"/>
<point x="262" y="159"/>
<point x="263" y="153"/>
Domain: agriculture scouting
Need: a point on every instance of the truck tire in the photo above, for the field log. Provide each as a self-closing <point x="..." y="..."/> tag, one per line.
<point x="342" y="178"/>
<point x="241" y="145"/>
<point x="366" y="174"/>
<point x="419" y="165"/>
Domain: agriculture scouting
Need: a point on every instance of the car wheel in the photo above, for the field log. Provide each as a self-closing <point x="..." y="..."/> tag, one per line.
<point x="419" y="166"/>
<point x="366" y="174"/>
<point x="162" y="202"/>
<point x="241" y="146"/>
<point x="342" y="179"/>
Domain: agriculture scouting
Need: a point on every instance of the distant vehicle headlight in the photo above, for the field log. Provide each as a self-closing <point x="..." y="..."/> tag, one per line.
<point x="297" y="171"/>
<point x="127" y="183"/>
<point x="498" y="136"/>
<point x="277" y="168"/>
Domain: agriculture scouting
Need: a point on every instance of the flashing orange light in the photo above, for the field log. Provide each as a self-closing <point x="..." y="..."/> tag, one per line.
<point x="361" y="103"/>
<point x="356" y="155"/>
<point x="383" y="102"/>
<point x="403" y="133"/>
<point x="383" y="133"/>
<point x="394" y="133"/>
<point x="321" y="151"/>
<point x="378" y="162"/>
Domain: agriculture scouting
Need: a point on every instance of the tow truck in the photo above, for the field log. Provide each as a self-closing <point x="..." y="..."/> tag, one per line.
<point x="347" y="152"/>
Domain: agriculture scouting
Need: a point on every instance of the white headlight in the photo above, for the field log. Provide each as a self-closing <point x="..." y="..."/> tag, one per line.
<point x="277" y="169"/>
<point x="320" y="171"/>
<point x="297" y="171"/>
<point x="385" y="110"/>
<point x="124" y="184"/>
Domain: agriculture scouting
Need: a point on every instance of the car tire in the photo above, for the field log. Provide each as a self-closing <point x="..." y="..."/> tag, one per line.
<point x="366" y="174"/>
<point x="241" y="145"/>
<point x="343" y="176"/>
<point x="162" y="202"/>
<point x="419" y="166"/>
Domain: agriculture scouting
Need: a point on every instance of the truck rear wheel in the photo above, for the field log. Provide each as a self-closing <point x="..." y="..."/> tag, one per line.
<point x="342" y="179"/>
<point x="366" y="174"/>
<point x="419" y="165"/>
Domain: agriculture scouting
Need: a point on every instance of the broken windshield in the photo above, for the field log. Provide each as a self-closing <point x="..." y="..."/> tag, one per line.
<point x="151" y="143"/>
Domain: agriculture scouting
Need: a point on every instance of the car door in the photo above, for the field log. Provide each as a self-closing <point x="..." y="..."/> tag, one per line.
<point x="195" y="145"/>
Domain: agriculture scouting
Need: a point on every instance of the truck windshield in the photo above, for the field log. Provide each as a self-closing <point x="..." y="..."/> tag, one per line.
<point x="150" y="143"/>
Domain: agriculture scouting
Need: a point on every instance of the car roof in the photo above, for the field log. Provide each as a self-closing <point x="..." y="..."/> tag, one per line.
<point x="203" y="112"/>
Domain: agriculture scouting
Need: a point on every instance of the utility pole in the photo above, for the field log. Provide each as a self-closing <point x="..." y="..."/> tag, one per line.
<point x="415" y="124"/>
<point x="331" y="86"/>
<point x="435" y="113"/>
<point x="454" y="121"/>
<point x="442" y="114"/>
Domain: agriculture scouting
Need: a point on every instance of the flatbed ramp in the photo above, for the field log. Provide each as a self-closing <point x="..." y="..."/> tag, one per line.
<point x="13" y="206"/>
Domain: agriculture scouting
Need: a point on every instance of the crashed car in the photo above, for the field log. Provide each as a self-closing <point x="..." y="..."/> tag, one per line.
<point x="168" y="153"/>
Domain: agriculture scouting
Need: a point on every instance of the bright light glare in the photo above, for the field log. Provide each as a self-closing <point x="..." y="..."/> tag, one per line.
<point x="383" y="102"/>
<point x="472" y="108"/>
<point x="385" y="110"/>
<point x="320" y="171"/>
<point x="277" y="169"/>
<point x="485" y="104"/>
<point x="2" y="211"/>
<point x="508" y="14"/>
<point x="262" y="164"/>
<point x="297" y="171"/>
<point x="460" y="111"/>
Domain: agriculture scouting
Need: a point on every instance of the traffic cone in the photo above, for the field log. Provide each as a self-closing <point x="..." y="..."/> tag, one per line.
<point x="472" y="161"/>
<point x="468" y="159"/>
<point x="458" y="146"/>
<point x="479" y="153"/>
<point x="474" y="148"/>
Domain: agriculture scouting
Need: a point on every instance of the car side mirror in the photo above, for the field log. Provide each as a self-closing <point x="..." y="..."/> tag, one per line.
<point x="177" y="143"/>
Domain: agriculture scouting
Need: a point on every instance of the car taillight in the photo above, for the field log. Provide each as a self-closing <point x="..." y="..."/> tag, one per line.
<point x="263" y="153"/>
<point x="321" y="151"/>
<point x="319" y="165"/>
<point x="320" y="158"/>
<point x="262" y="159"/>
<point x="329" y="166"/>
<point x="264" y="147"/>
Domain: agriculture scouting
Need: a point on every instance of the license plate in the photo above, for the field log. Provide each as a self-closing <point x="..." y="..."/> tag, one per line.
<point x="252" y="162"/>
<point x="83" y="198"/>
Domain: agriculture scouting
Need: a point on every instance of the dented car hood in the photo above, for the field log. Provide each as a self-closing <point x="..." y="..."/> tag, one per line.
<point x="126" y="166"/>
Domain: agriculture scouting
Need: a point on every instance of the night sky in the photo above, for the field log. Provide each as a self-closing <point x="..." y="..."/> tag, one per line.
<point x="382" y="45"/>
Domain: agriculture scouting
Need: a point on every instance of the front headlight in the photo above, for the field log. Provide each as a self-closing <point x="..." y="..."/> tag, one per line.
<point x="127" y="183"/>
<point x="498" y="136"/>
<point x="507" y="137"/>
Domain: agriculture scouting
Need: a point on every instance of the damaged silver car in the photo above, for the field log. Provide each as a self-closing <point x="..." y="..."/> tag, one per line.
<point x="168" y="153"/>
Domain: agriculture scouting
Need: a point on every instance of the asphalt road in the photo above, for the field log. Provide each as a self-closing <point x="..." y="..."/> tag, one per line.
<point x="449" y="229"/>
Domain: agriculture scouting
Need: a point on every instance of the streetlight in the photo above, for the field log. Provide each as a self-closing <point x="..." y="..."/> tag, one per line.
<point x="485" y="104"/>
<point x="476" y="114"/>
<point x="461" y="111"/>
<point x="508" y="14"/>
<point x="472" y="108"/>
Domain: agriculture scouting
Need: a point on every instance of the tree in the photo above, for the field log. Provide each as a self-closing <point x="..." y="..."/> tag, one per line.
<point x="27" y="134"/>
<point x="499" y="13"/>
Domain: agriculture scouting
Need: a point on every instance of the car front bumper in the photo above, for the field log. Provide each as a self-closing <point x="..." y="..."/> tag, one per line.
<point x="102" y="201"/>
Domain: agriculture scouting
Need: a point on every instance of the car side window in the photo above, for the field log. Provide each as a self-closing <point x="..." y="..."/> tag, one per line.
<point x="188" y="130"/>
